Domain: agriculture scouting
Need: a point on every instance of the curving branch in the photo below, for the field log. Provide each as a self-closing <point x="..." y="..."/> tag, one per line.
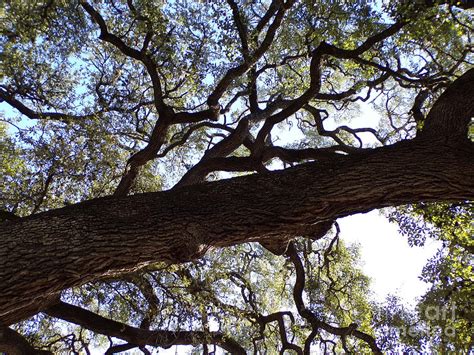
<point x="317" y="54"/>
<point x="311" y="318"/>
<point x="148" y="292"/>
<point x="141" y="56"/>
<point x="185" y="136"/>
<point x="167" y="116"/>
<point x="228" y="145"/>
<point x="318" y="120"/>
<point x="242" y="29"/>
<point x="235" y="72"/>
<point x="279" y="318"/>
<point x="416" y="109"/>
<point x="10" y="99"/>
<point x="138" y="336"/>
<point x="12" y="342"/>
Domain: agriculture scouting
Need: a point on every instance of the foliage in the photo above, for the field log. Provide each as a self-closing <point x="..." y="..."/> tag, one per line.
<point x="446" y="309"/>
<point x="231" y="290"/>
<point x="123" y="97"/>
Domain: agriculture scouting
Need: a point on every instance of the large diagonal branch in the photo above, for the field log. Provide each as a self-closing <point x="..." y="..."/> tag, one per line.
<point x="139" y="336"/>
<point x="41" y="255"/>
<point x="13" y="343"/>
<point x="46" y="253"/>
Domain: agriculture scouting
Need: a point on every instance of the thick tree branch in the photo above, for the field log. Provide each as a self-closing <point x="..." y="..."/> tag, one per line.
<point x="112" y="235"/>
<point x="448" y="120"/>
<point x="13" y="343"/>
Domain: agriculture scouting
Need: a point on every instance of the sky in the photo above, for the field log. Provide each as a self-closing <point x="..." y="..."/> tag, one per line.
<point x="392" y="264"/>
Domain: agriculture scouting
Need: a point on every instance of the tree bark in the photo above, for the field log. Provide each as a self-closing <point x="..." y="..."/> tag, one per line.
<point x="45" y="253"/>
<point x="13" y="343"/>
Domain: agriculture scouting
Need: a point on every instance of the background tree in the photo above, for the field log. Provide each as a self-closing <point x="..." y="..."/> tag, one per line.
<point x="111" y="99"/>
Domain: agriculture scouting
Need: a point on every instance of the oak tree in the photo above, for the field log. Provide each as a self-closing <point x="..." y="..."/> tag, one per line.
<point x="172" y="172"/>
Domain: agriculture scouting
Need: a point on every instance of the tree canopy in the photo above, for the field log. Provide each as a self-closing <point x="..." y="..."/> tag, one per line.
<point x="172" y="173"/>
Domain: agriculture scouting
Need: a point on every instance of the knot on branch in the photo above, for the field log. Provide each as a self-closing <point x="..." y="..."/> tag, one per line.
<point x="215" y="112"/>
<point x="192" y="245"/>
<point x="318" y="230"/>
<point x="276" y="245"/>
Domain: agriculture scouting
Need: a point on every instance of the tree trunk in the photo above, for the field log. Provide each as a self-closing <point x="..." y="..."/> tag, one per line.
<point x="45" y="253"/>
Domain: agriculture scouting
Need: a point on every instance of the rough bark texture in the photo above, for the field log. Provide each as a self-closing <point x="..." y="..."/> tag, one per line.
<point x="48" y="252"/>
<point x="12" y="343"/>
